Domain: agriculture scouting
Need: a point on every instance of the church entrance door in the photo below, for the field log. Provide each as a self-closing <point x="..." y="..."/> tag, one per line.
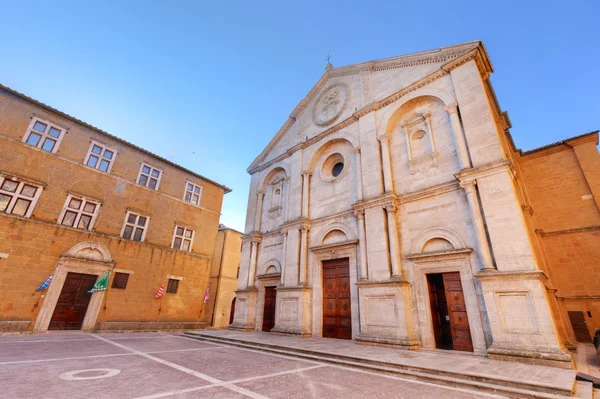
<point x="448" y="312"/>
<point x="73" y="302"/>
<point x="337" y="316"/>
<point x="269" y="310"/>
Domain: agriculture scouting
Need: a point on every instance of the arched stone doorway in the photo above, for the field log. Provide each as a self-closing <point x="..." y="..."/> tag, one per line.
<point x="86" y="258"/>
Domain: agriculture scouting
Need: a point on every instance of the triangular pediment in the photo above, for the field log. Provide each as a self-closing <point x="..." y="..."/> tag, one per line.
<point x="343" y="91"/>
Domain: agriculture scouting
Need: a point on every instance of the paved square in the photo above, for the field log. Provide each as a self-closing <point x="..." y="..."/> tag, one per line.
<point x="160" y="365"/>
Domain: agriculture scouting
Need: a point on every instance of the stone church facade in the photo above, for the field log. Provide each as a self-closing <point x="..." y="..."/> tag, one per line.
<point x="388" y="210"/>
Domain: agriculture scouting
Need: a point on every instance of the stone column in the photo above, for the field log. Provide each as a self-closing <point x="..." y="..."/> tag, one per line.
<point x="387" y="166"/>
<point x="305" y="193"/>
<point x="259" y="204"/>
<point x="359" y="184"/>
<point x="459" y="137"/>
<point x="284" y="257"/>
<point x="255" y="240"/>
<point x="483" y="247"/>
<point x="303" y="255"/>
<point x="394" y="240"/>
<point x="362" y="242"/>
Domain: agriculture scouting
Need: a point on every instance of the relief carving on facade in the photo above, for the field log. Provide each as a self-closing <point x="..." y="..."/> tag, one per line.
<point x="330" y="105"/>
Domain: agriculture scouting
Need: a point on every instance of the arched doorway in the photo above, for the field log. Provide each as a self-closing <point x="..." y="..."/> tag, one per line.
<point x="77" y="269"/>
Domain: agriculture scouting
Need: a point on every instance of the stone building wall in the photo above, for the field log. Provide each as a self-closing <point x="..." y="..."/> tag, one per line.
<point x="427" y="186"/>
<point x="562" y="184"/>
<point x="31" y="246"/>
<point x="223" y="277"/>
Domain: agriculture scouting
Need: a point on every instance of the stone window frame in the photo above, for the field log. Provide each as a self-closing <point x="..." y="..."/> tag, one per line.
<point x="173" y="285"/>
<point x="100" y="156"/>
<point x="183" y="238"/>
<point x="134" y="225"/>
<point x="192" y="191"/>
<point x="120" y="280"/>
<point x="17" y="194"/>
<point x="44" y="136"/>
<point x="79" y="212"/>
<point x="419" y="121"/>
<point x="149" y="176"/>
<point x="276" y="185"/>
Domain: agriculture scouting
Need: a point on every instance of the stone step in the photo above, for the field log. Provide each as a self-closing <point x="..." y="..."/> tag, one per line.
<point x="584" y="390"/>
<point x="497" y="385"/>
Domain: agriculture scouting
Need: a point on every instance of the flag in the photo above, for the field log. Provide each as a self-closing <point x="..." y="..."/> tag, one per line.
<point x="160" y="291"/>
<point x="46" y="283"/>
<point x="102" y="284"/>
<point x="207" y="295"/>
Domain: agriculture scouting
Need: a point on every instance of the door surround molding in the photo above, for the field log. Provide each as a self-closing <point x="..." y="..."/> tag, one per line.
<point x="345" y="249"/>
<point x="452" y="262"/>
<point x="85" y="258"/>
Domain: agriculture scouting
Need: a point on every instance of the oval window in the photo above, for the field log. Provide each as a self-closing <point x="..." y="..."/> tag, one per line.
<point x="337" y="169"/>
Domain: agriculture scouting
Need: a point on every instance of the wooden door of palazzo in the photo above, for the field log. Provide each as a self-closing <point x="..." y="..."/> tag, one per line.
<point x="449" y="312"/>
<point x="73" y="302"/>
<point x="337" y="315"/>
<point x="269" y="309"/>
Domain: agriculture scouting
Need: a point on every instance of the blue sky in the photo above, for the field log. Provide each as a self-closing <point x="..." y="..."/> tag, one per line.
<point x="208" y="84"/>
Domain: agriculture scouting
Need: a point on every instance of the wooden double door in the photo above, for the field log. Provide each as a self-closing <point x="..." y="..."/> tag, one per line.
<point x="73" y="302"/>
<point x="449" y="312"/>
<point x="269" y="309"/>
<point x="337" y="315"/>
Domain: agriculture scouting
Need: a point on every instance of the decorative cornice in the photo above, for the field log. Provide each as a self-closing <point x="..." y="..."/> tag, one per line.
<point x="567" y="231"/>
<point x="337" y="245"/>
<point x="296" y="224"/>
<point x="385" y="200"/>
<point x="429" y="192"/>
<point x="513" y="275"/>
<point x="494" y="168"/>
<point x="431" y="256"/>
<point x="276" y="276"/>
<point x="422" y="58"/>
<point x="252" y="237"/>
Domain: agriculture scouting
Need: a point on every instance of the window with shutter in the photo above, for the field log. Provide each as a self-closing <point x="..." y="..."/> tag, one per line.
<point x="120" y="280"/>
<point x="172" y="286"/>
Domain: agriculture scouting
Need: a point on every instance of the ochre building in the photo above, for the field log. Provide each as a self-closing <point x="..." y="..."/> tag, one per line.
<point x="561" y="182"/>
<point x="224" y="272"/>
<point x="393" y="208"/>
<point x="77" y="202"/>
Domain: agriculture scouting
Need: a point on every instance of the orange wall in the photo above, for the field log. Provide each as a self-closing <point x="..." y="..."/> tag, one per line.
<point x="562" y="183"/>
<point x="34" y="245"/>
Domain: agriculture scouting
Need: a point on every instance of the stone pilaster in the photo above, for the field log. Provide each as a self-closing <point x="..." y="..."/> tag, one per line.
<point x="459" y="136"/>
<point x="483" y="248"/>
<point x="386" y="163"/>
<point x="362" y="243"/>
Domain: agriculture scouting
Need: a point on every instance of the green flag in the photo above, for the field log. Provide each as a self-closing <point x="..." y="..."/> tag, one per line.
<point x="102" y="284"/>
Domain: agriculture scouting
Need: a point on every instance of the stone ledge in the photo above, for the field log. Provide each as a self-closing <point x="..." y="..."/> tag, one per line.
<point x="546" y="358"/>
<point x="240" y="327"/>
<point x="290" y="331"/>
<point x="14" y="326"/>
<point x="399" y="343"/>
<point x="149" y="325"/>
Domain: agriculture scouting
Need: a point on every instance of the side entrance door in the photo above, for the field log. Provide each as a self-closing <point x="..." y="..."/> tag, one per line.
<point x="580" y="328"/>
<point x="449" y="312"/>
<point x="72" y="302"/>
<point x="269" y="310"/>
<point x="337" y="316"/>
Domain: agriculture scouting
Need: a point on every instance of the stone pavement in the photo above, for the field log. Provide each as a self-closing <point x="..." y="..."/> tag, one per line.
<point x="462" y="367"/>
<point x="157" y="365"/>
